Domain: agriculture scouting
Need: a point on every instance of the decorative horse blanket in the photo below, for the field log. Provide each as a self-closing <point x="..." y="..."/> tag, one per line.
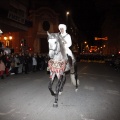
<point x="56" y="68"/>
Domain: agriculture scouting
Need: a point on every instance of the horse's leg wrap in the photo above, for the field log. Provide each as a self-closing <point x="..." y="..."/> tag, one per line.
<point x="62" y="82"/>
<point x="58" y="89"/>
<point x="50" y="87"/>
<point x="76" y="78"/>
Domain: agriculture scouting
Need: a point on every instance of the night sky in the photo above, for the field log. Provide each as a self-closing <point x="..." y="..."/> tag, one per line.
<point x="89" y="15"/>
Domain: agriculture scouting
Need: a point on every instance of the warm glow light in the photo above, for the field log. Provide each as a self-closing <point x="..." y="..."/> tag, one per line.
<point x="5" y="38"/>
<point x="10" y="37"/>
<point x="67" y="13"/>
<point x="21" y="44"/>
<point x="104" y="45"/>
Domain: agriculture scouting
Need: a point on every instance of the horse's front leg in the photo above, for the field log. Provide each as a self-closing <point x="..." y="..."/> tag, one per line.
<point x="57" y="92"/>
<point x="50" y="87"/>
<point x="76" y="78"/>
<point x="63" y="80"/>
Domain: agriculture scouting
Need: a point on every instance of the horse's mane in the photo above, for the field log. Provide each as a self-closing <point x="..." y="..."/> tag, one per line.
<point x="62" y="48"/>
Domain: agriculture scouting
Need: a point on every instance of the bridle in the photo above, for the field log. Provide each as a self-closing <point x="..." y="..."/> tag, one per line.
<point x="55" y="49"/>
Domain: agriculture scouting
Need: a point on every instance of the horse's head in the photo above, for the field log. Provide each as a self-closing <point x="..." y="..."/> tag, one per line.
<point x="54" y="46"/>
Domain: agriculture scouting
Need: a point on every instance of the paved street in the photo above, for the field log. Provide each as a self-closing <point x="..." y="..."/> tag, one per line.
<point x="26" y="96"/>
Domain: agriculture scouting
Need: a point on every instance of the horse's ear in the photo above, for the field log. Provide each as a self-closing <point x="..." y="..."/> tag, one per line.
<point x="48" y="33"/>
<point x="56" y="34"/>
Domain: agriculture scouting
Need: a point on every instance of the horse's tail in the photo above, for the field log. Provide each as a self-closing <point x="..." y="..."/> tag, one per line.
<point x="74" y="76"/>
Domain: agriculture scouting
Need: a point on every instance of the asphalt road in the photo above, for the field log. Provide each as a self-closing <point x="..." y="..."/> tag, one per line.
<point x="26" y="96"/>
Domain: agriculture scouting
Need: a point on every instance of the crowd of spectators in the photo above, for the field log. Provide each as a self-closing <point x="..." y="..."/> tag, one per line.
<point x="16" y="63"/>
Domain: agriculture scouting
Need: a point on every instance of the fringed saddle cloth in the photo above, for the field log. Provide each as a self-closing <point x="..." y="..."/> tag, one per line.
<point x="56" y="68"/>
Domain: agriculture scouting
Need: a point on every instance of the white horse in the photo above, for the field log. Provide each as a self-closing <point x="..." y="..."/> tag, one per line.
<point x="59" y="64"/>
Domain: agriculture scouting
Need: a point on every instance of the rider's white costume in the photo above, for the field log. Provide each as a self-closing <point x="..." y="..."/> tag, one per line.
<point x="68" y="41"/>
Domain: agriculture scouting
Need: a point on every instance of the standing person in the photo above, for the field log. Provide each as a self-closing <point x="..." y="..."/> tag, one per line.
<point x="2" y="69"/>
<point x="12" y="64"/>
<point x="66" y="39"/>
<point x="34" y="62"/>
<point x="26" y="62"/>
<point x="21" y="59"/>
<point x="7" y="65"/>
<point x="17" y="63"/>
<point x="30" y="67"/>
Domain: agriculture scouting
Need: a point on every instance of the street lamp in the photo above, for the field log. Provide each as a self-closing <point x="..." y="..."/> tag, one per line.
<point x="10" y="37"/>
<point x="7" y="40"/>
<point x="67" y="14"/>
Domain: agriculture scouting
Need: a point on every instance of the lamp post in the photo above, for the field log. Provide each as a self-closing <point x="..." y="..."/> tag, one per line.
<point x="7" y="40"/>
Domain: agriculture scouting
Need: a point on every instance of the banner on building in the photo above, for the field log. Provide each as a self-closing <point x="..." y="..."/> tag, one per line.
<point x="104" y="38"/>
<point x="17" y="12"/>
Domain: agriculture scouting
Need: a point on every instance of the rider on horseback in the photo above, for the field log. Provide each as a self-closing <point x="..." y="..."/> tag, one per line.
<point x="66" y="39"/>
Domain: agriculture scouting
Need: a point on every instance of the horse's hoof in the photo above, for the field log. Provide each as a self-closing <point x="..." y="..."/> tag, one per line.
<point x="76" y="89"/>
<point x="53" y="94"/>
<point x="60" y="93"/>
<point x="55" y="104"/>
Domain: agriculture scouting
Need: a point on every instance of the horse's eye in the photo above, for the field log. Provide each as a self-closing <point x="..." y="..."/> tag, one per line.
<point x="55" y="42"/>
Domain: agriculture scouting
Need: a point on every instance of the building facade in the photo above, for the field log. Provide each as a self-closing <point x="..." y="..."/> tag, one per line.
<point x="13" y="19"/>
<point x="32" y="28"/>
<point x="44" y="19"/>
